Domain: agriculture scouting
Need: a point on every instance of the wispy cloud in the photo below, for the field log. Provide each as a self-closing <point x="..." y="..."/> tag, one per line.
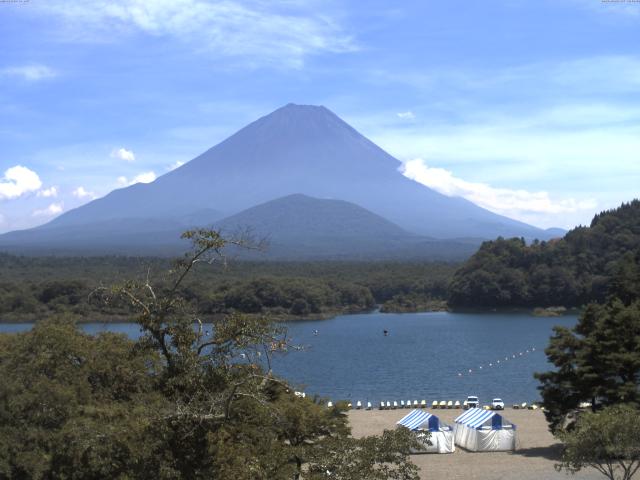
<point x="280" y="32"/>
<point x="51" y="211"/>
<point x="145" y="177"/>
<point x="123" y="154"/>
<point x="519" y="204"/>
<point x="408" y="115"/>
<point x="176" y="164"/>
<point x="558" y="125"/>
<point x="18" y="181"/>
<point x="30" y="73"/>
<point x="543" y="80"/>
<point x="81" y="193"/>
<point x="48" y="192"/>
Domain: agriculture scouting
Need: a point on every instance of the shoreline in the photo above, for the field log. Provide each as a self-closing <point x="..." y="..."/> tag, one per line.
<point x="536" y="452"/>
<point x="288" y="318"/>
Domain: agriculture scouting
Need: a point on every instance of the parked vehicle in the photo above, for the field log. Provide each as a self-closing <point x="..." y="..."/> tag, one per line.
<point x="497" y="404"/>
<point x="472" y="402"/>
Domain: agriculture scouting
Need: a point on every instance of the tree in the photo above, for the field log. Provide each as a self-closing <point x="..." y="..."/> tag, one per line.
<point x="598" y="361"/>
<point x="608" y="441"/>
<point x="74" y="405"/>
<point x="186" y="400"/>
<point x="571" y="271"/>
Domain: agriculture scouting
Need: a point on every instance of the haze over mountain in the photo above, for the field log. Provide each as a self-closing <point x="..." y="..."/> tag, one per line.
<point x="301" y="227"/>
<point x="297" y="149"/>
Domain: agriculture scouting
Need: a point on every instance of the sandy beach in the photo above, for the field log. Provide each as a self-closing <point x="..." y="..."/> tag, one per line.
<point x="537" y="450"/>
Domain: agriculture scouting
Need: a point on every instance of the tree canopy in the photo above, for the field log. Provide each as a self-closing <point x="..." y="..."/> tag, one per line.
<point x="597" y="361"/>
<point x="185" y="400"/>
<point x="33" y="288"/>
<point x="571" y="271"/>
<point x="608" y="441"/>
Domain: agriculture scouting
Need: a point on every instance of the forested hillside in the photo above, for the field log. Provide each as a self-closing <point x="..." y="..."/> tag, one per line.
<point x="572" y="271"/>
<point x="33" y="288"/>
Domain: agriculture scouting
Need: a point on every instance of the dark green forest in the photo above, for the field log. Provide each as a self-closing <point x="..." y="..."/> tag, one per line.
<point x="177" y="403"/>
<point x="33" y="288"/>
<point x="580" y="268"/>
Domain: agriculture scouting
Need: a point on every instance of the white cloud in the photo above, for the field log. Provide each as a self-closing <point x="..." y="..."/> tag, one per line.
<point x="31" y="73"/>
<point x="145" y="177"/>
<point x="408" y="115"/>
<point x="18" y="181"/>
<point x="519" y="204"/>
<point x="51" y="211"/>
<point x="281" y="32"/>
<point x="80" y="192"/>
<point x="48" y="192"/>
<point x="123" y="154"/>
<point x="175" y="165"/>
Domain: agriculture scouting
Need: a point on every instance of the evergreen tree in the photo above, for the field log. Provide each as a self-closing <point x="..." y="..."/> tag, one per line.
<point x="598" y="361"/>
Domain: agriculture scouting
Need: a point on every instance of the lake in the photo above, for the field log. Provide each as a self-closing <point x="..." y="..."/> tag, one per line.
<point x="424" y="356"/>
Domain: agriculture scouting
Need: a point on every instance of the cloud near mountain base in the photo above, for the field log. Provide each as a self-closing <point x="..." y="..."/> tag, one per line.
<point x="519" y="204"/>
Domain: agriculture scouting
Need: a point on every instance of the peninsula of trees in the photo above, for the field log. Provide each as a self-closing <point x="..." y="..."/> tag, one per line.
<point x="572" y="271"/>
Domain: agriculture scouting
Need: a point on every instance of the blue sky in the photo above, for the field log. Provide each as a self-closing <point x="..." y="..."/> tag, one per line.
<point x="530" y="109"/>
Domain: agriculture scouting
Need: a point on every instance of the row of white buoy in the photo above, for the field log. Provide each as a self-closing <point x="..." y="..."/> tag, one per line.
<point x="498" y="362"/>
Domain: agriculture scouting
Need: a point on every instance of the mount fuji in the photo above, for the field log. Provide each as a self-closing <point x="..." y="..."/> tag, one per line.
<point x="302" y="153"/>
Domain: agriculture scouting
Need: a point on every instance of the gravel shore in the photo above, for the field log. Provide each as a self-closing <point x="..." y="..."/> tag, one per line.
<point x="537" y="450"/>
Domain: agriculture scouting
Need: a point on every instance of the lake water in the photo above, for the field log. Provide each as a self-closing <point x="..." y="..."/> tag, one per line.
<point x="424" y="356"/>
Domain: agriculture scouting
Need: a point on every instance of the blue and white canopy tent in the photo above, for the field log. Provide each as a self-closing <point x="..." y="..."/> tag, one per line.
<point x="481" y="430"/>
<point x="441" y="439"/>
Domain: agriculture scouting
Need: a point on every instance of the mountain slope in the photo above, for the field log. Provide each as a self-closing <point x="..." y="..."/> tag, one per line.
<point x="300" y="216"/>
<point x="301" y="149"/>
<point x="301" y="227"/>
<point x="296" y="149"/>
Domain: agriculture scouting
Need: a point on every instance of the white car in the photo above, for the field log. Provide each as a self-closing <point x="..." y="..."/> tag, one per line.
<point x="472" y="401"/>
<point x="497" y="404"/>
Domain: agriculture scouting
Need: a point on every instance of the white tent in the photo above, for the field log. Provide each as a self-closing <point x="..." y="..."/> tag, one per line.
<point x="441" y="438"/>
<point x="484" y="431"/>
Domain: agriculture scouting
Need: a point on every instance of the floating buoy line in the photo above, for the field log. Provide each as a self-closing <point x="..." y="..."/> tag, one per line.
<point x="497" y="363"/>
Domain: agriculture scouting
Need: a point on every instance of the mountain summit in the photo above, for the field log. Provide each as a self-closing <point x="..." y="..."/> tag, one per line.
<point x="297" y="149"/>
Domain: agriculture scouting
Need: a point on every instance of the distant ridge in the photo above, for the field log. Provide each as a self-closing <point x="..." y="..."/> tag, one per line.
<point x="297" y="149"/>
<point x="301" y="227"/>
<point x="299" y="216"/>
